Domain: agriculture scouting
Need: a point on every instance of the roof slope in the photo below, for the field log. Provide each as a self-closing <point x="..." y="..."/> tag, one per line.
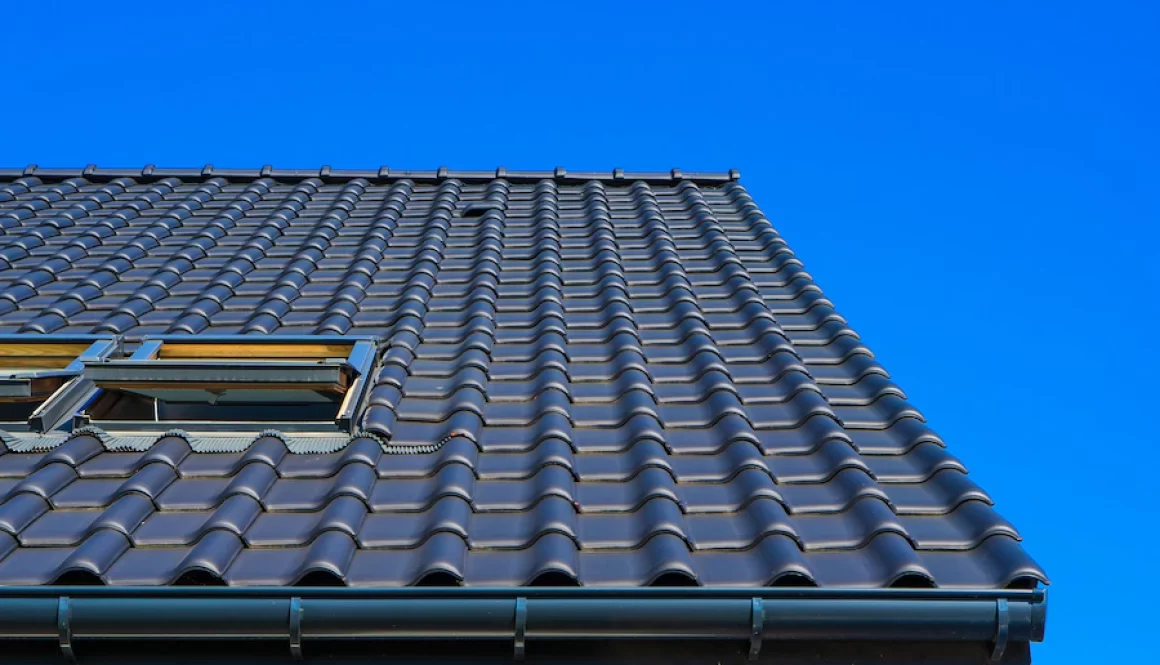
<point x="624" y="380"/>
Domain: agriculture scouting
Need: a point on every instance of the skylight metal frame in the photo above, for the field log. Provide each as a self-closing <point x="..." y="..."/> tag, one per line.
<point x="339" y="362"/>
<point x="18" y="382"/>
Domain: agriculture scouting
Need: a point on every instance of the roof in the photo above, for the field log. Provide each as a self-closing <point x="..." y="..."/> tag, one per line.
<point x="586" y="379"/>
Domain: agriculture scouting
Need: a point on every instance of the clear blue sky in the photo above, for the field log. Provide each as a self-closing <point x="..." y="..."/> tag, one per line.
<point x="976" y="188"/>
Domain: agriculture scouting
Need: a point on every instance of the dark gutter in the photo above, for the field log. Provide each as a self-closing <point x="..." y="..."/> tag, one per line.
<point x="150" y="173"/>
<point x="519" y="615"/>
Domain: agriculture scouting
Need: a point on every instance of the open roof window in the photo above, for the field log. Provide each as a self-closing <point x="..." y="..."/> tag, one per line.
<point x="41" y="377"/>
<point x="232" y="383"/>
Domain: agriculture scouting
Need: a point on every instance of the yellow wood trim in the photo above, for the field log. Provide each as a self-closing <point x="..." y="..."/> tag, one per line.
<point x="299" y="385"/>
<point x="35" y="362"/>
<point x="42" y="350"/>
<point x="184" y="350"/>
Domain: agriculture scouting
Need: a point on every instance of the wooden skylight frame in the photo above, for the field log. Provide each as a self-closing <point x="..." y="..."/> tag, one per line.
<point x="232" y="383"/>
<point x="41" y="377"/>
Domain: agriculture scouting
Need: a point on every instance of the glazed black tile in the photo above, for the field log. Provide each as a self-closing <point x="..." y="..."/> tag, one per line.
<point x="327" y="557"/>
<point x="185" y="527"/>
<point x="515" y="466"/>
<point x="998" y="562"/>
<point x="718" y="467"/>
<point x="941" y="493"/>
<point x="74" y="452"/>
<point x="622" y="464"/>
<point x="879" y="414"/>
<point x="360" y="451"/>
<point x="523" y="494"/>
<point x="664" y="559"/>
<point x="353" y="480"/>
<point x="886" y="560"/>
<point x="627" y="496"/>
<point x="15" y="466"/>
<point x="254" y="481"/>
<point x="553" y="559"/>
<point x="443" y="555"/>
<point x="505" y="530"/>
<point x="913" y="466"/>
<point x="811" y="432"/>
<point x="963" y="528"/>
<point x="415" y="433"/>
<point x="418" y="494"/>
<point x="851" y="529"/>
<point x="457" y="450"/>
<point x="286" y="529"/>
<point x="86" y="493"/>
<point x="395" y="530"/>
<point x="45" y="482"/>
<point x="552" y="426"/>
<point x="819" y="466"/>
<point x="8" y="544"/>
<point x="47" y="565"/>
<point x="149" y="481"/>
<point x="901" y="437"/>
<point x="219" y="465"/>
<point x="548" y="378"/>
<point x="834" y="496"/>
<point x="169" y="451"/>
<point x="842" y="370"/>
<point x="775" y="389"/>
<point x="629" y="531"/>
<point x="524" y="414"/>
<point x="19" y="511"/>
<point x="59" y="528"/>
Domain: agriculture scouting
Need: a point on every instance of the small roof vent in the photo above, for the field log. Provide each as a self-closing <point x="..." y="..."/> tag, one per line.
<point x="479" y="209"/>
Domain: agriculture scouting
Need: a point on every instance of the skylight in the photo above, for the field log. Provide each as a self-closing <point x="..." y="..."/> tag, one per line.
<point x="232" y="383"/>
<point x="40" y="377"/>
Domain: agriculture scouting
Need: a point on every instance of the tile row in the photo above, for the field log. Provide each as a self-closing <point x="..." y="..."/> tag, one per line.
<point x="333" y="558"/>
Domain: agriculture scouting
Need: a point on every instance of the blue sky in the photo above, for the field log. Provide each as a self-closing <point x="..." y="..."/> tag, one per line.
<point x="975" y="187"/>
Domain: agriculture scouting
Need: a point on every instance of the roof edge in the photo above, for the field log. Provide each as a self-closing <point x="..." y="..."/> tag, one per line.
<point x="1035" y="595"/>
<point x="300" y="615"/>
<point x="381" y="174"/>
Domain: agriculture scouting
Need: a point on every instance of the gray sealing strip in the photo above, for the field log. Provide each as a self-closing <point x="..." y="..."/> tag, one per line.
<point x="297" y="443"/>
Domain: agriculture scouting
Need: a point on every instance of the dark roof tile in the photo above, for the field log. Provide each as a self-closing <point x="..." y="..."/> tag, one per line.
<point x="619" y="382"/>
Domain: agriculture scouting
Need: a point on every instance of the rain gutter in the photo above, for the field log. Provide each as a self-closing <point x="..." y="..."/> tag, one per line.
<point x="297" y="616"/>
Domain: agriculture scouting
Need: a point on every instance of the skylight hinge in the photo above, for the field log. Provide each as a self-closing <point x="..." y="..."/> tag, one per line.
<point x="148" y="350"/>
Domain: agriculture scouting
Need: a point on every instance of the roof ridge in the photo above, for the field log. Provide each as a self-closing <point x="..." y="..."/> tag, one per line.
<point x="381" y="174"/>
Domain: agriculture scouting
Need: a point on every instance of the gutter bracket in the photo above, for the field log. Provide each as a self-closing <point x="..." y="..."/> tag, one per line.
<point x="1002" y="630"/>
<point x="64" y="629"/>
<point x="757" y="626"/>
<point x="521" y="627"/>
<point x="296" y="628"/>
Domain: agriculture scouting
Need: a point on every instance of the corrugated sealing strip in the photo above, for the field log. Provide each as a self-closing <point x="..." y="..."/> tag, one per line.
<point x="297" y="443"/>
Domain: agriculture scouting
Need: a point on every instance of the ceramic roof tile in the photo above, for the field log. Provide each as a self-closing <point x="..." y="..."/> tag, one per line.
<point x="603" y="381"/>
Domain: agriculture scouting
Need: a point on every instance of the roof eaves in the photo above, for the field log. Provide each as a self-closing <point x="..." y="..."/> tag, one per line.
<point x="298" y="616"/>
